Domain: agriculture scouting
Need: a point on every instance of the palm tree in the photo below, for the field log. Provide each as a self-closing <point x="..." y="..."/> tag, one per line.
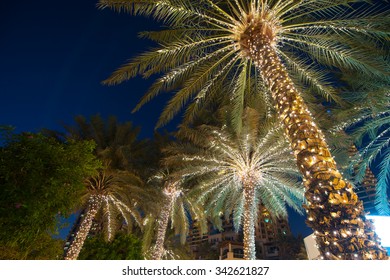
<point x="176" y="207"/>
<point x="117" y="194"/>
<point x="280" y="42"/>
<point x="117" y="191"/>
<point x="233" y="174"/>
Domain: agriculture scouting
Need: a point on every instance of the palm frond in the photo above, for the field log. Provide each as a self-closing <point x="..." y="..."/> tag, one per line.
<point x="382" y="187"/>
<point x="215" y="160"/>
<point x="199" y="32"/>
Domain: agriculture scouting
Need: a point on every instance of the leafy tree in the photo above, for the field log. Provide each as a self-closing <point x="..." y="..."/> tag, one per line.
<point x="208" y="252"/>
<point x="122" y="247"/>
<point x="40" y="179"/>
<point x="281" y="43"/>
<point x="233" y="174"/>
<point x="290" y="247"/>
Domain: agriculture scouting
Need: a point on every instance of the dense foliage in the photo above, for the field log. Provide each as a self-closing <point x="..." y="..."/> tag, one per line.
<point x="40" y="179"/>
<point x="43" y="248"/>
<point x="122" y="247"/>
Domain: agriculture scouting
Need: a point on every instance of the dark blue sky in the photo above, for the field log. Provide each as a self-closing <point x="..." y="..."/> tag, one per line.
<point x="53" y="56"/>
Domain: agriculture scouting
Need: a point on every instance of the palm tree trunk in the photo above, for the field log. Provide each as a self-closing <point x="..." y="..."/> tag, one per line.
<point x="334" y="211"/>
<point x="249" y="223"/>
<point x="162" y="227"/>
<point x="84" y="228"/>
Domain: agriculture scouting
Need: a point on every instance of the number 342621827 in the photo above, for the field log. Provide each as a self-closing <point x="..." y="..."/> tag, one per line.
<point x="260" y="270"/>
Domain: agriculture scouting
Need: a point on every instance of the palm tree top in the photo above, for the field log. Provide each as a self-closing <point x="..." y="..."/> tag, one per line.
<point x="122" y="194"/>
<point x="206" y="42"/>
<point x="219" y="162"/>
<point x="106" y="133"/>
<point x="116" y="143"/>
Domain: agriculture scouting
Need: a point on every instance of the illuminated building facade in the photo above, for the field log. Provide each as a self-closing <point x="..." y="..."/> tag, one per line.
<point x="229" y="243"/>
<point x="366" y="192"/>
<point x="367" y="188"/>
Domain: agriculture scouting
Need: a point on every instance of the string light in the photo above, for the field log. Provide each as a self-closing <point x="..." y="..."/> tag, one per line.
<point x="75" y="247"/>
<point x="249" y="227"/>
<point x="171" y="192"/>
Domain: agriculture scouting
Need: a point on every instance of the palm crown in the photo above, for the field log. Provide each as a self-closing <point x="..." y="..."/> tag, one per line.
<point x="220" y="162"/>
<point x="121" y="194"/>
<point x="116" y="143"/>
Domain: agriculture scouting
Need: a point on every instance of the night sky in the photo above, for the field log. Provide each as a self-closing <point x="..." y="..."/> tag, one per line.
<point x="53" y="57"/>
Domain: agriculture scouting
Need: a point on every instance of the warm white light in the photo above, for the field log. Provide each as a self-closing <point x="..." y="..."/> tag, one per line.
<point x="382" y="228"/>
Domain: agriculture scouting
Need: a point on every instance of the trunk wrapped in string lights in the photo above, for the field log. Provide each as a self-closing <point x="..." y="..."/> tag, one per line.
<point x="94" y="205"/>
<point x="170" y="192"/>
<point x="333" y="209"/>
<point x="273" y="43"/>
<point x="249" y="219"/>
<point x="175" y="209"/>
